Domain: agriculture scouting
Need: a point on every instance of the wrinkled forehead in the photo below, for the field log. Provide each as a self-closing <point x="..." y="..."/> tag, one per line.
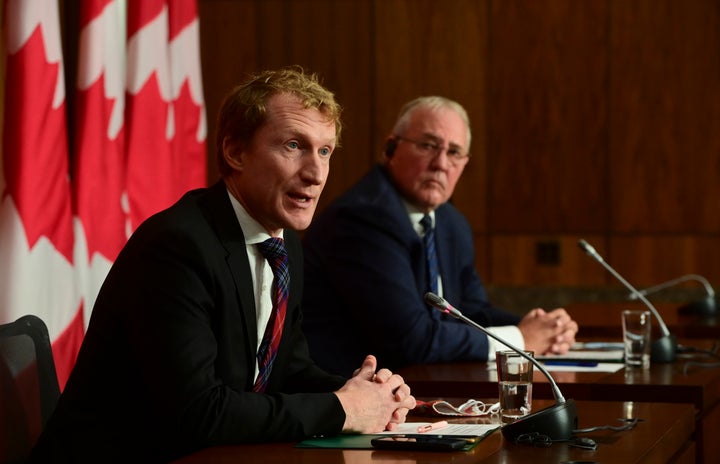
<point x="441" y="124"/>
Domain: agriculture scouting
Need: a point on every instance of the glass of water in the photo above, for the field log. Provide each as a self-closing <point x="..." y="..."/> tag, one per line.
<point x="515" y="374"/>
<point x="636" y="336"/>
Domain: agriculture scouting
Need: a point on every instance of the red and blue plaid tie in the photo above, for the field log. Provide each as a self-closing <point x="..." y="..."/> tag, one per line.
<point x="273" y="249"/>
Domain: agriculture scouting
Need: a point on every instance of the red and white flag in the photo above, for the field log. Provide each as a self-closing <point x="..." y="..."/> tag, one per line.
<point x="188" y="143"/>
<point x="165" y="109"/>
<point x="140" y="134"/>
<point x="36" y="234"/>
<point x="100" y="199"/>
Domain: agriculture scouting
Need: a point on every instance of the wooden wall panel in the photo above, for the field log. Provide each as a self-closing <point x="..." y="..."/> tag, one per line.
<point x="426" y="47"/>
<point x="665" y="116"/>
<point x="228" y="49"/>
<point x="647" y="260"/>
<point x="515" y="261"/>
<point x="548" y="116"/>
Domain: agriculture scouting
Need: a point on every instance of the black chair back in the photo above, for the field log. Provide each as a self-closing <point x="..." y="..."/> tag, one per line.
<point x="29" y="388"/>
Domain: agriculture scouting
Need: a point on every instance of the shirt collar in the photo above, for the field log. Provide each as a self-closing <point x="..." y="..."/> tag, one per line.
<point x="252" y="230"/>
<point x="415" y="215"/>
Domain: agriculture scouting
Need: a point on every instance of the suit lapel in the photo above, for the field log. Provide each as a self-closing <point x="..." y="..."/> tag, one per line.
<point x="388" y="199"/>
<point x="226" y="226"/>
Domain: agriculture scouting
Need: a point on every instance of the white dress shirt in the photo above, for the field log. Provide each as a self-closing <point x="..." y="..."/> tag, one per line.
<point x="260" y="270"/>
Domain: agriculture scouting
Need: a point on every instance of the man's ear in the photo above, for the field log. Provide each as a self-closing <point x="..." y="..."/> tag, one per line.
<point x="232" y="152"/>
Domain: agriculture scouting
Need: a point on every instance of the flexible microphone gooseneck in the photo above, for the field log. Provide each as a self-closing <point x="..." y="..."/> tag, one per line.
<point x="662" y="350"/>
<point x="557" y="422"/>
<point x="707" y="307"/>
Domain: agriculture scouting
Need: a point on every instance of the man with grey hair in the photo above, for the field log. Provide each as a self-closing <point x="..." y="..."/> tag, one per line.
<point x="371" y="256"/>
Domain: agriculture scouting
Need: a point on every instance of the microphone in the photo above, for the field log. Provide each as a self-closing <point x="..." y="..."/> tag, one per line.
<point x="557" y="422"/>
<point x="662" y="350"/>
<point x="707" y="307"/>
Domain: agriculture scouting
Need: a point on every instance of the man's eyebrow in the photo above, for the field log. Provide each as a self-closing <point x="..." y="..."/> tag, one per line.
<point x="302" y="135"/>
<point x="429" y="135"/>
<point x="435" y="138"/>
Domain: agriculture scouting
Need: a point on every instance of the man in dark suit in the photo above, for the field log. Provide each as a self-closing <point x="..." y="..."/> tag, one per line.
<point x="365" y="260"/>
<point x="171" y="361"/>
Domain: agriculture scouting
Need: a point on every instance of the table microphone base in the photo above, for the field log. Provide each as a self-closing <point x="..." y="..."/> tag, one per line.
<point x="664" y="350"/>
<point x="705" y="309"/>
<point x="557" y="422"/>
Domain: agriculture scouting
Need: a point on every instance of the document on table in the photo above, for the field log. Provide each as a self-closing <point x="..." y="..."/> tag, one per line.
<point x="605" y="346"/>
<point x="585" y="355"/>
<point x="571" y="366"/>
<point x="465" y="430"/>
<point x="605" y="357"/>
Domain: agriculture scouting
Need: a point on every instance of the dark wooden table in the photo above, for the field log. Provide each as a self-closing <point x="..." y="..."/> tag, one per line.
<point x="679" y="382"/>
<point x="664" y="434"/>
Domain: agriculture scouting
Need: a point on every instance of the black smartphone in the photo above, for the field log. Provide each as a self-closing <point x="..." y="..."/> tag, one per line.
<point x="419" y="442"/>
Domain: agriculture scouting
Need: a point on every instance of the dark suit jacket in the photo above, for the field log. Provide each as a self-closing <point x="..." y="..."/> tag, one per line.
<point x="167" y="364"/>
<point x="365" y="281"/>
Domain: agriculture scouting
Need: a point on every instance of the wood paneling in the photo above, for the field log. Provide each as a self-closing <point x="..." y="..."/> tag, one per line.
<point x="646" y="260"/>
<point x="548" y="116"/>
<point x="664" y="146"/>
<point x="573" y="268"/>
<point x="228" y="52"/>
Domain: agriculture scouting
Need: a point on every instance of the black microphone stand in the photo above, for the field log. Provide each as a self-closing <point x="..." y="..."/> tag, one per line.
<point x="662" y="350"/>
<point x="556" y="422"/>
<point x="707" y="308"/>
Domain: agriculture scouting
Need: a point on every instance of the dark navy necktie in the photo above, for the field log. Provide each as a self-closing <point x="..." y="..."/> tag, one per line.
<point x="430" y="255"/>
<point x="273" y="249"/>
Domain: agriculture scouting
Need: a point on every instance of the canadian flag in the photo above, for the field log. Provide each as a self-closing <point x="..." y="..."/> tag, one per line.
<point x="36" y="233"/>
<point x="164" y="97"/>
<point x="100" y="198"/>
<point x="139" y="144"/>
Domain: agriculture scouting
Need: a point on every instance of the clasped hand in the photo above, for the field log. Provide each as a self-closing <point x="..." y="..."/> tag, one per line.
<point x="548" y="332"/>
<point x="374" y="401"/>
